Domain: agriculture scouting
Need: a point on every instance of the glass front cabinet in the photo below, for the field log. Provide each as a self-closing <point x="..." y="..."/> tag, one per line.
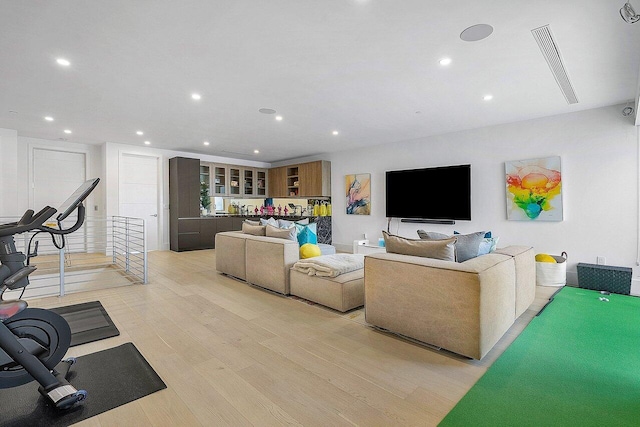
<point x="248" y="186"/>
<point x="236" y="181"/>
<point x="235" y="189"/>
<point x="220" y="181"/>
<point x="261" y="182"/>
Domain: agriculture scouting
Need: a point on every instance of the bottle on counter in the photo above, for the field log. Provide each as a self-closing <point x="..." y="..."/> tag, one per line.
<point x="323" y="209"/>
<point x="286" y="211"/>
<point x="316" y="209"/>
<point x="279" y="210"/>
<point x="261" y="210"/>
<point x="328" y="208"/>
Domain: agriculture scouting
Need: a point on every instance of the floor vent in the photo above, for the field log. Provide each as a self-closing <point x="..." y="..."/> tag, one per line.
<point x="551" y="53"/>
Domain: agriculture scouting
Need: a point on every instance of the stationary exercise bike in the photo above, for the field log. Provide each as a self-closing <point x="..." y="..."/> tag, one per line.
<point x="33" y="341"/>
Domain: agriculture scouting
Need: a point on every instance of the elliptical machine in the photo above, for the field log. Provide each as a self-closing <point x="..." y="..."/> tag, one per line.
<point x="33" y="341"/>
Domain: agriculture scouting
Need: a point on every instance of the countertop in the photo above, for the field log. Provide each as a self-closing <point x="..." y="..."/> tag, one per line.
<point x="224" y="215"/>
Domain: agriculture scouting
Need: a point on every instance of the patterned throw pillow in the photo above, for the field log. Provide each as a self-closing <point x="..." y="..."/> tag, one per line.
<point x="436" y="249"/>
<point x="488" y="245"/>
<point x="270" y="221"/>
<point x="307" y="233"/>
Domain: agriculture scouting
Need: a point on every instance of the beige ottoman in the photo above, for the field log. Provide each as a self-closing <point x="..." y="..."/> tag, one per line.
<point x="342" y="293"/>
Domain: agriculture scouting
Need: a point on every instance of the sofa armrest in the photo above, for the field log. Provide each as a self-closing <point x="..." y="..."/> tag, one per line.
<point x="462" y="307"/>
<point x="269" y="260"/>
<point x="525" y="265"/>
<point x="230" y="253"/>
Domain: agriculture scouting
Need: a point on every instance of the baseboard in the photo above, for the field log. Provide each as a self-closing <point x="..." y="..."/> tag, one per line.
<point x="340" y="247"/>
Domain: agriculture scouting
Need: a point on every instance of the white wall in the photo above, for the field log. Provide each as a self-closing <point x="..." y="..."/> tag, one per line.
<point x="9" y="204"/>
<point x="599" y="151"/>
<point x="16" y="171"/>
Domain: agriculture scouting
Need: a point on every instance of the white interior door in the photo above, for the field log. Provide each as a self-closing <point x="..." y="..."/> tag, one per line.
<point x="56" y="175"/>
<point x="139" y="193"/>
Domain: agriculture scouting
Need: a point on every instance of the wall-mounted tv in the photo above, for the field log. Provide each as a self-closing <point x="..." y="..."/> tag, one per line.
<point x="440" y="193"/>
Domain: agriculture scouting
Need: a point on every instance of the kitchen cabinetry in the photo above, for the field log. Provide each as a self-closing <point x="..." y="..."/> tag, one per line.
<point x="248" y="184"/>
<point x="234" y="181"/>
<point x="311" y="179"/>
<point x="315" y="178"/>
<point x="237" y="181"/>
<point x="220" y="180"/>
<point x="184" y="200"/>
<point x="293" y="181"/>
<point x="261" y="182"/>
<point x="278" y="182"/>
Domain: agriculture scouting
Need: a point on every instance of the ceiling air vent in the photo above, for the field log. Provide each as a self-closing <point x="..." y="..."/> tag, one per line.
<point x="549" y="48"/>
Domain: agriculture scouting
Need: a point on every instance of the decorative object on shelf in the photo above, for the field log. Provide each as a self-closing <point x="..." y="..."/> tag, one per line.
<point x="286" y="211"/>
<point x="534" y="189"/>
<point x="323" y="209"/>
<point x="358" y="192"/>
<point x="205" y="201"/>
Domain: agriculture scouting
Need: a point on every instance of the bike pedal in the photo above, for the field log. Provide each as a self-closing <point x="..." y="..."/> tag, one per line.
<point x="71" y="400"/>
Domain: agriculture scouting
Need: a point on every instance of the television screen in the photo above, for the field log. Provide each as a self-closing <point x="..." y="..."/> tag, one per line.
<point x="441" y="193"/>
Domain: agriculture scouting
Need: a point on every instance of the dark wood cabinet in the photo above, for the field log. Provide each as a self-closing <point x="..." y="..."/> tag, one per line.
<point x="208" y="230"/>
<point x="184" y="203"/>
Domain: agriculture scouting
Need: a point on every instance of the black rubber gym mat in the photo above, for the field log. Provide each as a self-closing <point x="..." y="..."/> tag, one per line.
<point x="89" y="322"/>
<point x="111" y="377"/>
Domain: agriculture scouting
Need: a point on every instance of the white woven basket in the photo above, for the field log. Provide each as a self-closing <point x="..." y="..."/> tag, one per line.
<point x="552" y="274"/>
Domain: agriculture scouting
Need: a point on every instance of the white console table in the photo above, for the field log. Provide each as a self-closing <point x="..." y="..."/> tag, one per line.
<point x="364" y="247"/>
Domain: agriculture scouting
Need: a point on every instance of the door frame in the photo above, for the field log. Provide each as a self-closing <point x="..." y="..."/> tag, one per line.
<point x="31" y="146"/>
<point x="159" y="172"/>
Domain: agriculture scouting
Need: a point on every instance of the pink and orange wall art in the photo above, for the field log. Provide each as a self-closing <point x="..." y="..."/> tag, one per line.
<point x="358" y="192"/>
<point x="534" y="189"/>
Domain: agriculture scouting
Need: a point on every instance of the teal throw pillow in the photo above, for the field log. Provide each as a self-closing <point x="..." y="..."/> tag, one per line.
<point x="307" y="234"/>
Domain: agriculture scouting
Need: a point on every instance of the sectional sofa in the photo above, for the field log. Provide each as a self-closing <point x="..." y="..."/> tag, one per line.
<point x="461" y="307"/>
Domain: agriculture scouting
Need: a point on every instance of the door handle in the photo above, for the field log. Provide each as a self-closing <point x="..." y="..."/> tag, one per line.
<point x="154" y="215"/>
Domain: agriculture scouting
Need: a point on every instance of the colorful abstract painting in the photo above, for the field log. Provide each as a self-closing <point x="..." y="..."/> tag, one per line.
<point x="534" y="189"/>
<point x="358" y="189"/>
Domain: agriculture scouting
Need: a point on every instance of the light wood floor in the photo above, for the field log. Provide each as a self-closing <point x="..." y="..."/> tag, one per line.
<point x="232" y="354"/>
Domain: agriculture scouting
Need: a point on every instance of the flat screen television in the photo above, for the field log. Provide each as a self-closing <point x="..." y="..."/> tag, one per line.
<point x="440" y="193"/>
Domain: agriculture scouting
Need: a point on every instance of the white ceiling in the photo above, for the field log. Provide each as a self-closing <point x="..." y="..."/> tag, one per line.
<point x="367" y="68"/>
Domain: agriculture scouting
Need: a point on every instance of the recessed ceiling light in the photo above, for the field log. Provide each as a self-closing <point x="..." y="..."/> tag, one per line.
<point x="488" y="97"/>
<point x="445" y="61"/>
<point x="206" y="143"/>
<point x="335" y="132"/>
<point x="476" y="32"/>
<point x="256" y="151"/>
<point x="267" y="111"/>
<point x="48" y="118"/>
<point x="196" y="96"/>
<point x="279" y="118"/>
<point x="147" y="143"/>
<point x="67" y="131"/>
<point x="139" y="132"/>
<point x="63" y="62"/>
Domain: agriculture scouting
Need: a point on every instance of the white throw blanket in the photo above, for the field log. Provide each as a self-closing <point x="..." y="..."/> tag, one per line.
<point x="330" y="265"/>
